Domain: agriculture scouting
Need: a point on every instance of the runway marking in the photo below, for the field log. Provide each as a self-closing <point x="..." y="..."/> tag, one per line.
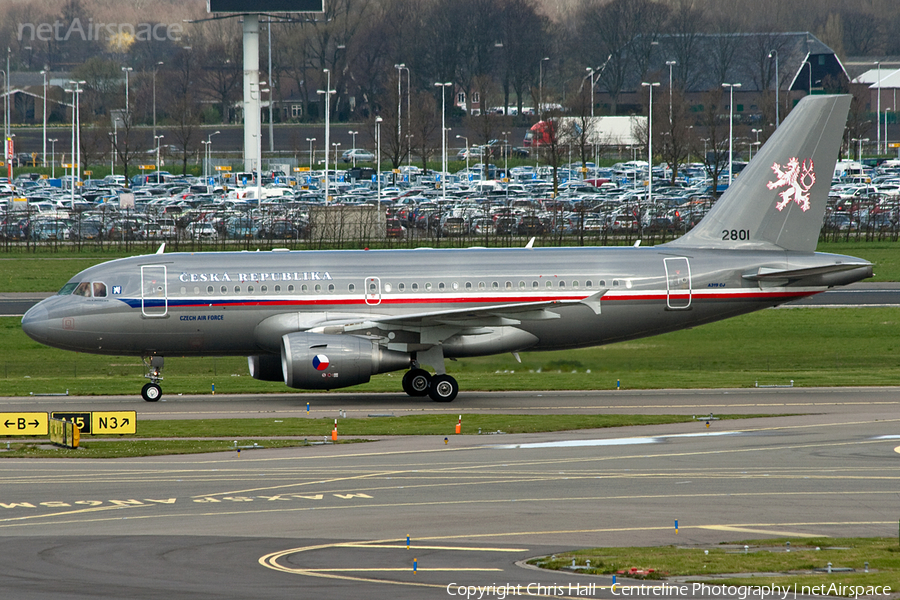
<point x="405" y="570"/>
<point x="759" y="531"/>
<point x="418" y="547"/>
<point x="369" y="506"/>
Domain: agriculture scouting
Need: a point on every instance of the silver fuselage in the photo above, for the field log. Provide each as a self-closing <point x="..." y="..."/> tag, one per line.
<point x="242" y="303"/>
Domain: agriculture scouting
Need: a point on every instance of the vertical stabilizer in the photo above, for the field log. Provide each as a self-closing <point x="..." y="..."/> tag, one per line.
<point x="779" y="198"/>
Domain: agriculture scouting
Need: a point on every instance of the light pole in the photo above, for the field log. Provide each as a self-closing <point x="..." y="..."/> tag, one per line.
<point x="757" y="132"/>
<point x="353" y="137"/>
<point x="53" y="158"/>
<point x="335" y="145"/>
<point x="327" y="92"/>
<point x="878" y="111"/>
<point x="157" y="138"/>
<point x="886" y="111"/>
<point x="310" y="140"/>
<point x="155" y="71"/>
<point x="462" y="137"/>
<point x="859" y="151"/>
<point x="443" y="87"/>
<point x="76" y="134"/>
<point x="774" y="54"/>
<point x="650" y="87"/>
<point x="259" y="156"/>
<point x="127" y="70"/>
<point x="541" y="86"/>
<point x="505" y="135"/>
<point x="670" y="64"/>
<point x="590" y="71"/>
<point x="207" y="170"/>
<point x="378" y="121"/>
<point x="400" y="68"/>
<point x="45" y="73"/>
<point x="731" y="87"/>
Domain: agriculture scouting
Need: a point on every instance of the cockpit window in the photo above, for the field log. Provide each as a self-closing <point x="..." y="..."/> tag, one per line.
<point x="87" y="289"/>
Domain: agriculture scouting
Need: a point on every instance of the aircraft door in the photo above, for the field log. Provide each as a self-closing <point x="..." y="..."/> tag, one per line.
<point x="154" y="293"/>
<point x="678" y="283"/>
<point x="373" y="291"/>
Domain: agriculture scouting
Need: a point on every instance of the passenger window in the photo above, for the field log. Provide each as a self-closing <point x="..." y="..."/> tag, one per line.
<point x="387" y="287"/>
<point x="415" y="287"/>
<point x="264" y="289"/>
<point x="250" y="289"/>
<point x="509" y="285"/>
<point x="401" y="286"/>
<point x="237" y="289"/>
<point x="549" y="284"/>
<point x="277" y="288"/>
<point x="99" y="290"/>
<point x="521" y="285"/>
<point x="441" y="286"/>
<point x="534" y="284"/>
<point x="588" y="284"/>
<point x="562" y="284"/>
<point x="351" y="288"/>
<point x="290" y="289"/>
<point x="304" y="288"/>
<point x="224" y="289"/>
<point x="495" y="286"/>
<point x="481" y="285"/>
<point x="602" y="283"/>
<point x="183" y="291"/>
<point x="318" y="288"/>
<point x="210" y="290"/>
<point x="428" y="287"/>
<point x="196" y="290"/>
<point x="330" y="288"/>
<point x="455" y="285"/>
<point x="468" y="286"/>
<point x="575" y="284"/>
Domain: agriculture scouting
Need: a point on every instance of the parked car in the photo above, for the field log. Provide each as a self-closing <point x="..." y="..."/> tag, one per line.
<point x="395" y="229"/>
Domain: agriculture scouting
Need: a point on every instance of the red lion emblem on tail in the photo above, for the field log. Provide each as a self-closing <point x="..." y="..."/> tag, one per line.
<point x="799" y="179"/>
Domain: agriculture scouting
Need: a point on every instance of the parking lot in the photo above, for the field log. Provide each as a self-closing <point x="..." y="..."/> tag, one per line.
<point x="480" y="205"/>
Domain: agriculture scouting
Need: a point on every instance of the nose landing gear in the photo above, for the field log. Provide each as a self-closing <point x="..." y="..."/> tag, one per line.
<point x="152" y="392"/>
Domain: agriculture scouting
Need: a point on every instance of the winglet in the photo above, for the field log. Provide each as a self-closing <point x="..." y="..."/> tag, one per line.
<point x="530" y="244"/>
<point x="162" y="248"/>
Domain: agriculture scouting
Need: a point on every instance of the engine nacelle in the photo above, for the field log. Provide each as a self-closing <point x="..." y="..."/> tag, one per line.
<point x="266" y="367"/>
<point x="316" y="361"/>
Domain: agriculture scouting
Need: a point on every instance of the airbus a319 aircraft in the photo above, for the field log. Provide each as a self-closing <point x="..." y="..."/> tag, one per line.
<point x="332" y="319"/>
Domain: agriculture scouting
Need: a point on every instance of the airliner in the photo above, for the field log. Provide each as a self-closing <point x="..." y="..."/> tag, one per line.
<point x="323" y="320"/>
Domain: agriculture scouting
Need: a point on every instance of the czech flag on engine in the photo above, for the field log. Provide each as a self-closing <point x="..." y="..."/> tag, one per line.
<point x="320" y="362"/>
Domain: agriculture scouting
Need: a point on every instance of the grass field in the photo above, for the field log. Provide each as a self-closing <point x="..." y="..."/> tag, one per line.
<point x="811" y="346"/>
<point x="763" y="556"/>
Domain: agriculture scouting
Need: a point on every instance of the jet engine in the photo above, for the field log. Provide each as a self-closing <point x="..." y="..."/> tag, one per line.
<point x="266" y="367"/>
<point x="316" y="361"/>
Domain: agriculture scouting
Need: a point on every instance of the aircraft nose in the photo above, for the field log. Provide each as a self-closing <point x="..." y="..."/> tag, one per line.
<point x="36" y="323"/>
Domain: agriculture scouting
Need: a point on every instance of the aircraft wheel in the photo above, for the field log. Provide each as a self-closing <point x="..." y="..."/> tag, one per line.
<point x="151" y="392"/>
<point x="416" y="382"/>
<point x="443" y="388"/>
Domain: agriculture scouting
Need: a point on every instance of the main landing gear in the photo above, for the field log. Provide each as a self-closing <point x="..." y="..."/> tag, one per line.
<point x="152" y="392"/>
<point x="419" y="382"/>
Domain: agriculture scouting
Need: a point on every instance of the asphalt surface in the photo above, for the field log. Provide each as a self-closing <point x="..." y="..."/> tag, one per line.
<point x="331" y="521"/>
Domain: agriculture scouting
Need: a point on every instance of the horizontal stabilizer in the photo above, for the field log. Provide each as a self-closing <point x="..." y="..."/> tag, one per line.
<point x="766" y="273"/>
